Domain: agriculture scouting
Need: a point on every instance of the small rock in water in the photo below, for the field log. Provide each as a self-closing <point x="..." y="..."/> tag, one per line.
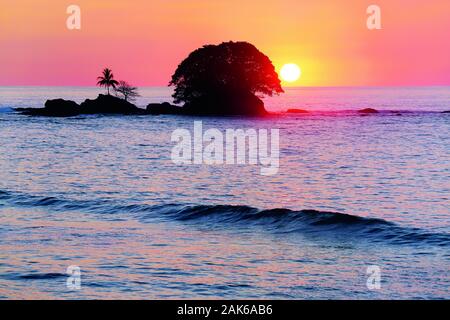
<point x="163" y="108"/>
<point x="297" y="111"/>
<point x="368" y="110"/>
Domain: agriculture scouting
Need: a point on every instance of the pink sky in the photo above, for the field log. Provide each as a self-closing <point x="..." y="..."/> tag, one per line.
<point x="143" y="41"/>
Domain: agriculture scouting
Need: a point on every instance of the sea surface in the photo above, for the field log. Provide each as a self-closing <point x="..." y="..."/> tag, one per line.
<point x="354" y="193"/>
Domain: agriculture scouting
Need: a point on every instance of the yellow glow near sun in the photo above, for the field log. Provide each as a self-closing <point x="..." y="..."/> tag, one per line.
<point x="290" y="72"/>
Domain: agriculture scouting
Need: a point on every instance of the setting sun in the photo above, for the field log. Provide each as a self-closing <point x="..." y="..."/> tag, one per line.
<point x="290" y="72"/>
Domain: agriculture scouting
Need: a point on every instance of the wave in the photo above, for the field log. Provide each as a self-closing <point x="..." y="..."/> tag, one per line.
<point x="311" y="222"/>
<point x="314" y="223"/>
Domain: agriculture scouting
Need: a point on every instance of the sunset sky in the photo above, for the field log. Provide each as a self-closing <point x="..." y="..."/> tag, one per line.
<point x="143" y="41"/>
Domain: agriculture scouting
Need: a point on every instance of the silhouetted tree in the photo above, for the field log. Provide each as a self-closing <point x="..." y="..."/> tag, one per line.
<point x="126" y="90"/>
<point x="221" y="74"/>
<point x="107" y="80"/>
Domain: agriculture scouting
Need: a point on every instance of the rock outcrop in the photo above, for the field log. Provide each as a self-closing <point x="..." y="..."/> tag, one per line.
<point x="107" y="104"/>
<point x="232" y="104"/>
<point x="243" y="104"/>
<point x="54" y="108"/>
<point x="103" y="104"/>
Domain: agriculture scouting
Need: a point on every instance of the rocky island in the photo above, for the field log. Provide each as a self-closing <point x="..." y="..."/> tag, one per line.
<point x="103" y="104"/>
<point x="228" y="79"/>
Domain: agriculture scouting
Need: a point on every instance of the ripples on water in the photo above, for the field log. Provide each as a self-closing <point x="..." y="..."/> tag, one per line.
<point x="101" y="192"/>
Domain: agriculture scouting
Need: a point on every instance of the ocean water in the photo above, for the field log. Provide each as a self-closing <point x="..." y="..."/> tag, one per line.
<point x="352" y="192"/>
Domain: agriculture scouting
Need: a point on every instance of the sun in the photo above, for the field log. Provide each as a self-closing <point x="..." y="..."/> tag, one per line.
<point x="290" y="72"/>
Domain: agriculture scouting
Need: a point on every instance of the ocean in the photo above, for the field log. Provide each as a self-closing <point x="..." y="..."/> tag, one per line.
<point x="356" y="198"/>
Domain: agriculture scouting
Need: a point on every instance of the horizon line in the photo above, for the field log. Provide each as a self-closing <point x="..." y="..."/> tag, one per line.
<point x="284" y="87"/>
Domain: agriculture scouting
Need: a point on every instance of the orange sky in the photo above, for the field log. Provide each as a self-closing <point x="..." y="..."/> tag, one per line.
<point x="144" y="40"/>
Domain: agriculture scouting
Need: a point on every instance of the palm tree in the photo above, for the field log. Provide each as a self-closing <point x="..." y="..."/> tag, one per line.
<point x="107" y="80"/>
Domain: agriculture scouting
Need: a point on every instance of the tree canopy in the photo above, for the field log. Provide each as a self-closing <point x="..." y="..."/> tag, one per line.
<point x="215" y="72"/>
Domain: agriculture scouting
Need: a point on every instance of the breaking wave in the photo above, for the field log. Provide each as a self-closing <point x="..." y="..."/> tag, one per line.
<point x="311" y="222"/>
